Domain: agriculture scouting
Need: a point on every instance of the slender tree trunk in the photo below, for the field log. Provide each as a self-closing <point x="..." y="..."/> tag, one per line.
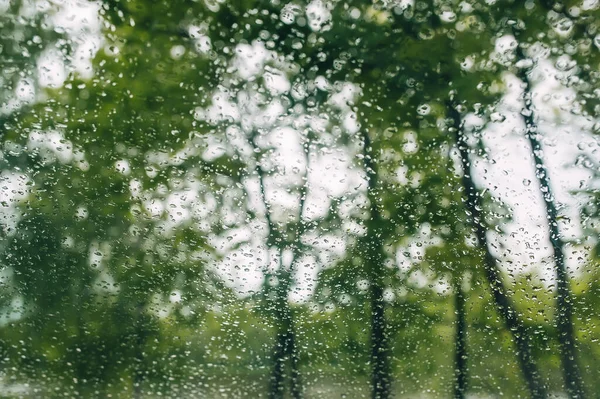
<point x="282" y="340"/>
<point x="281" y="308"/>
<point x="277" y="386"/>
<point x="381" y="374"/>
<point x="285" y="346"/>
<point x="297" y="389"/>
<point x="460" y="354"/>
<point x="503" y="303"/>
<point x="294" y="361"/>
<point x="285" y="342"/>
<point x="285" y="350"/>
<point x="564" y="300"/>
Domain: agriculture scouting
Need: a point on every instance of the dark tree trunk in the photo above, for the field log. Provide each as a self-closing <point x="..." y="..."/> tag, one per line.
<point x="564" y="301"/>
<point x="381" y="375"/>
<point x="285" y="344"/>
<point x="503" y="303"/>
<point x="277" y="386"/>
<point x="460" y="354"/>
<point x="285" y="341"/>
<point x="294" y="361"/>
<point x="285" y="350"/>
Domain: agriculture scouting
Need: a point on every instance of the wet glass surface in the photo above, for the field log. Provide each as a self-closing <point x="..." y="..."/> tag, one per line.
<point x="304" y="199"/>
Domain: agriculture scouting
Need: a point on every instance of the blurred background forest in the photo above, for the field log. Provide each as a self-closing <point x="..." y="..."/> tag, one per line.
<point x="299" y="199"/>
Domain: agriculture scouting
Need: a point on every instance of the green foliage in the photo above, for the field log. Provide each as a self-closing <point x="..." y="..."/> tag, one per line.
<point x="139" y="189"/>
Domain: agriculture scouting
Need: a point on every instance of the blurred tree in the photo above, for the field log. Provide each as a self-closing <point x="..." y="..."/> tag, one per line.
<point x="564" y="299"/>
<point x="503" y="303"/>
<point x="148" y="184"/>
<point x="111" y="178"/>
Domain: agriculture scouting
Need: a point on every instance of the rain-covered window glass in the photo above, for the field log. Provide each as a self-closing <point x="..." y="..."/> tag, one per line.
<point x="299" y="199"/>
